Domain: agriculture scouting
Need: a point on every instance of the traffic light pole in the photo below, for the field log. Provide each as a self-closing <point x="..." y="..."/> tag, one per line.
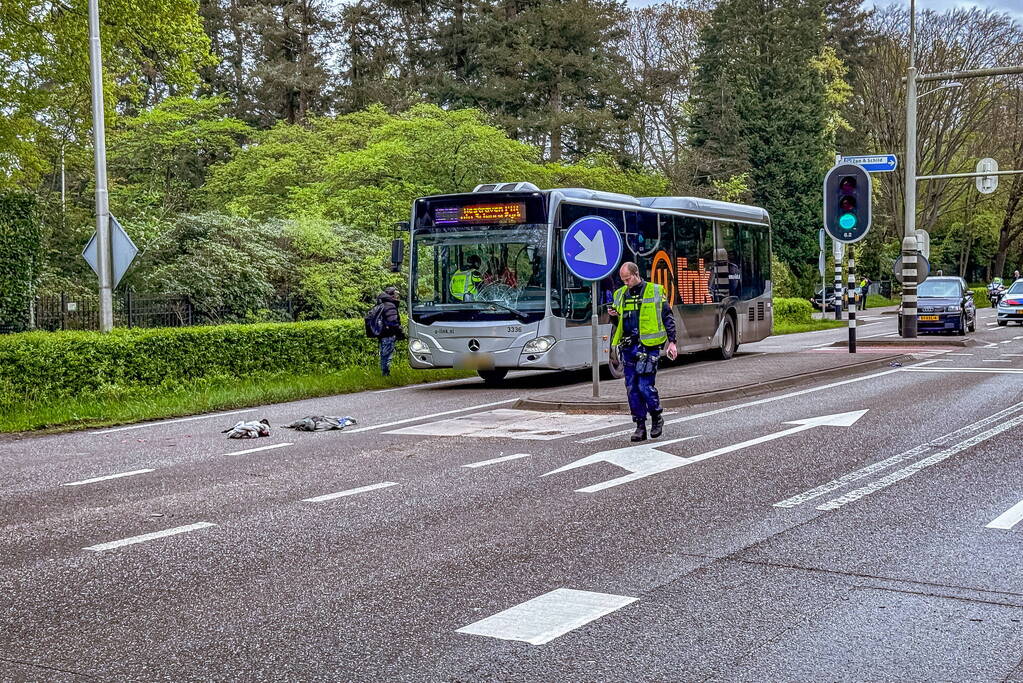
<point x="103" y="254"/>
<point x="852" y="300"/>
<point x="909" y="243"/>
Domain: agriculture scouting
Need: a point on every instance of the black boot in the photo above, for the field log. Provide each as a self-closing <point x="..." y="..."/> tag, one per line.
<point x="640" y="433"/>
<point x="656" y="424"/>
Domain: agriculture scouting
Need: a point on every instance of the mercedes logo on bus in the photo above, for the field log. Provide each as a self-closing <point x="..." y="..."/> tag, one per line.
<point x="474" y="345"/>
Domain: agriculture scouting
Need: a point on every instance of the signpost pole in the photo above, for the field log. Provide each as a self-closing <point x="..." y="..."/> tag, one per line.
<point x="103" y="252"/>
<point x="852" y="300"/>
<point x="594" y="319"/>
<point x="909" y="163"/>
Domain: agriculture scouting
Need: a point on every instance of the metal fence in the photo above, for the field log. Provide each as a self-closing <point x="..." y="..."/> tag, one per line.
<point x="131" y="309"/>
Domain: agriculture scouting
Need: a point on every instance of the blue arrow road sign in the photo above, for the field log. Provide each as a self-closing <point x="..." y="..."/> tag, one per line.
<point x="592" y="248"/>
<point x="874" y="163"/>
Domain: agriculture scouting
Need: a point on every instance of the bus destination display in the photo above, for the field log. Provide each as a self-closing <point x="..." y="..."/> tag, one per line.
<point x="481" y="214"/>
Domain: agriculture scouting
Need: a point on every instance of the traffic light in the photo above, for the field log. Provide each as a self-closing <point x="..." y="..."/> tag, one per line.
<point x="847" y="202"/>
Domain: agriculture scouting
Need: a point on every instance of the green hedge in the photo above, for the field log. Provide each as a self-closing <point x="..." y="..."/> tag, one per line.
<point x="20" y="250"/>
<point x="38" y="366"/>
<point x="980" y="297"/>
<point x="793" y="310"/>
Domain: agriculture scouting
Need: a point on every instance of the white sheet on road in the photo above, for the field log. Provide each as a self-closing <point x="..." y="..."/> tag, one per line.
<point x="508" y="423"/>
<point x="548" y="616"/>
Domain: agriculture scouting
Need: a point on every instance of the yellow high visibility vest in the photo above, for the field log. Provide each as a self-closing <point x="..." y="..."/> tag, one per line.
<point x="651" y="326"/>
<point x="464" y="282"/>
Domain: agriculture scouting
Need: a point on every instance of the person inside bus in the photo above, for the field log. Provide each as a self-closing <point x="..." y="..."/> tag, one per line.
<point x="465" y="283"/>
<point x="645" y="323"/>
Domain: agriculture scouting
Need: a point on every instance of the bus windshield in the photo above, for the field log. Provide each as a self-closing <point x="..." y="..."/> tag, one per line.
<point x="485" y="272"/>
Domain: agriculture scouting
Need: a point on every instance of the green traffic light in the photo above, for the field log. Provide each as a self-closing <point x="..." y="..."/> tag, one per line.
<point x="847" y="221"/>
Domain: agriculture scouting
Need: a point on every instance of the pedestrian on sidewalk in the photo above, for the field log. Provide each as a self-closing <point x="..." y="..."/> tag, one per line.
<point x="864" y="286"/>
<point x="384" y="323"/>
<point x="645" y="323"/>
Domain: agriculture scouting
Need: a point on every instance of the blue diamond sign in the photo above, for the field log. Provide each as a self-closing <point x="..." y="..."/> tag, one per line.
<point x="592" y="248"/>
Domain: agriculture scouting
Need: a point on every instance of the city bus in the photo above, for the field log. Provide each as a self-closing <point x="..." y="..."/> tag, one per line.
<point x="489" y="290"/>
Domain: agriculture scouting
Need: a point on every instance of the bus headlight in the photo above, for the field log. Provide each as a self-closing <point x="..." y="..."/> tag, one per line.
<point x="417" y="346"/>
<point x="539" y="345"/>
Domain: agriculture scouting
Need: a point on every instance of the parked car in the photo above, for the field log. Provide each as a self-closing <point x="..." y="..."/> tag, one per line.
<point x="1010" y="307"/>
<point x="944" y="304"/>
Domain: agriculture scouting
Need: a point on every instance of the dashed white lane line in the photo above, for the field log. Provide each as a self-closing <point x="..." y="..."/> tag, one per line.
<point x="548" y="616"/>
<point x="149" y="537"/>
<point x="170" y="422"/>
<point x="1009" y="518"/>
<point x="430" y="416"/>
<point x="494" y="461"/>
<point x="993" y="371"/>
<point x="350" y="492"/>
<point x="960" y="354"/>
<point x="105" y="478"/>
<point x="990" y="324"/>
<point x="261" y="448"/>
<point x="1013" y="355"/>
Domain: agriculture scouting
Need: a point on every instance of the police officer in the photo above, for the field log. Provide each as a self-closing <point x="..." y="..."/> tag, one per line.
<point x="646" y="323"/>
<point x="466" y="282"/>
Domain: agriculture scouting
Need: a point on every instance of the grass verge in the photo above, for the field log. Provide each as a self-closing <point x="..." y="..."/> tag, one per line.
<point x="788" y="327"/>
<point x="118" y="405"/>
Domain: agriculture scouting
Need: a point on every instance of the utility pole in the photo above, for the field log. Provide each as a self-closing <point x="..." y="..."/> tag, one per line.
<point x="909" y="244"/>
<point x="103" y="254"/>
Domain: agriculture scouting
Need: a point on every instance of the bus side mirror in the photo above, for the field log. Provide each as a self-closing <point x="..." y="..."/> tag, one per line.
<point x="397" y="254"/>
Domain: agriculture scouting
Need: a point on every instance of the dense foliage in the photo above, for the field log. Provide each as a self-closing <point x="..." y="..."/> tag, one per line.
<point x="37" y="366"/>
<point x="19" y="259"/>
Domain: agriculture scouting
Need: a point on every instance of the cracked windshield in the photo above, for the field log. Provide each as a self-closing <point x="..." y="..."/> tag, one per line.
<point x="486" y="273"/>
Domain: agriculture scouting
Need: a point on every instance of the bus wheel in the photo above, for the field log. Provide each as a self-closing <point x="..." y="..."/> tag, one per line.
<point x="615" y="368"/>
<point x="493" y="377"/>
<point x="727" y="349"/>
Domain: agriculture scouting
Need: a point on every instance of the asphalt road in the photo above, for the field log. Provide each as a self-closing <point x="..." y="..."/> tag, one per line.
<point x="856" y="529"/>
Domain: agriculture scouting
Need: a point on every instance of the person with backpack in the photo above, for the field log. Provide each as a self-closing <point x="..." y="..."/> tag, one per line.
<point x="384" y="324"/>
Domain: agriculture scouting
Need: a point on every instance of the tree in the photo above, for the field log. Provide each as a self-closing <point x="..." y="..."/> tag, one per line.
<point x="761" y="108"/>
<point x="160" y="158"/>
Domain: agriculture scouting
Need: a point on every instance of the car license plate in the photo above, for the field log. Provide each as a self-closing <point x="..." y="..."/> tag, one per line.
<point x="929" y="317"/>
<point x="475" y="361"/>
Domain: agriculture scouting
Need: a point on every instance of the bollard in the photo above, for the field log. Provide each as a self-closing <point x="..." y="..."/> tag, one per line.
<point x="909" y="280"/>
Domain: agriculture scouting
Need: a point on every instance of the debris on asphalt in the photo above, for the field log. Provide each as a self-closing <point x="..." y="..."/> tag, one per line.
<point x="319" y="423"/>
<point x="248" y="430"/>
<point x="895" y="364"/>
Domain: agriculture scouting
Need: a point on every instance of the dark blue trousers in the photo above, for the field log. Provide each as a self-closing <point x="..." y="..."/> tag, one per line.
<point x="386" y="351"/>
<point x="643" y="396"/>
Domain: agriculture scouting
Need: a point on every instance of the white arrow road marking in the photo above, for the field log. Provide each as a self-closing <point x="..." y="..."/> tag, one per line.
<point x="645" y="459"/>
<point x="593" y="249"/>
<point x="1009" y="518"/>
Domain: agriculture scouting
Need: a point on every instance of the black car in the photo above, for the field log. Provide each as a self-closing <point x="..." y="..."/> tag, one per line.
<point x="829" y="292"/>
<point x="944" y="304"/>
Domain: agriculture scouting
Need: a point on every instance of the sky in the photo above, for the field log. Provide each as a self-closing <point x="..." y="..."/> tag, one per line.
<point x="1013" y="7"/>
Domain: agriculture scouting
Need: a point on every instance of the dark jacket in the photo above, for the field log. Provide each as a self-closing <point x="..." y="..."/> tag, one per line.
<point x="392" y="321"/>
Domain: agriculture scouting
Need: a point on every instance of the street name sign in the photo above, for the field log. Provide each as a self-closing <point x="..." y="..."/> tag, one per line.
<point x="873" y="163"/>
<point x="592" y="248"/>
<point x="123" y="251"/>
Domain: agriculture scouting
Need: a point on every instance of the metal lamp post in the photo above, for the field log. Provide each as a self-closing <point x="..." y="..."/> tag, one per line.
<point x="103" y="253"/>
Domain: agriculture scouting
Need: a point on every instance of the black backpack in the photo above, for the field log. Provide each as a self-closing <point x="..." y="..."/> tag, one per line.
<point x="375" y="321"/>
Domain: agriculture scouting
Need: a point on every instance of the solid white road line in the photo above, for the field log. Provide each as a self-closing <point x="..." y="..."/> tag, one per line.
<point x="548" y="616"/>
<point x="995" y="360"/>
<point x="427" y="385"/>
<point x="261" y="448"/>
<point x="910" y="470"/>
<point x="871" y="469"/>
<point x="762" y="401"/>
<point x="428" y="417"/>
<point x="170" y="422"/>
<point x="1009" y="518"/>
<point x="350" y="492"/>
<point x="1002" y="371"/>
<point x="109" y="476"/>
<point x="1013" y="355"/>
<point x="484" y="463"/>
<point x="149" y="537"/>
<point x="960" y="354"/>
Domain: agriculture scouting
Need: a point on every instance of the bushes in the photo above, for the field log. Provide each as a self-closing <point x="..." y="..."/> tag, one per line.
<point x="41" y="366"/>
<point x="20" y="241"/>
<point x="980" y="297"/>
<point x="793" y="310"/>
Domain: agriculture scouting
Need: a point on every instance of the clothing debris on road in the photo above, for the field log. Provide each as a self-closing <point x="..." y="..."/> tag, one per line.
<point x="320" y="423"/>
<point x="895" y="364"/>
<point x="248" y="430"/>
